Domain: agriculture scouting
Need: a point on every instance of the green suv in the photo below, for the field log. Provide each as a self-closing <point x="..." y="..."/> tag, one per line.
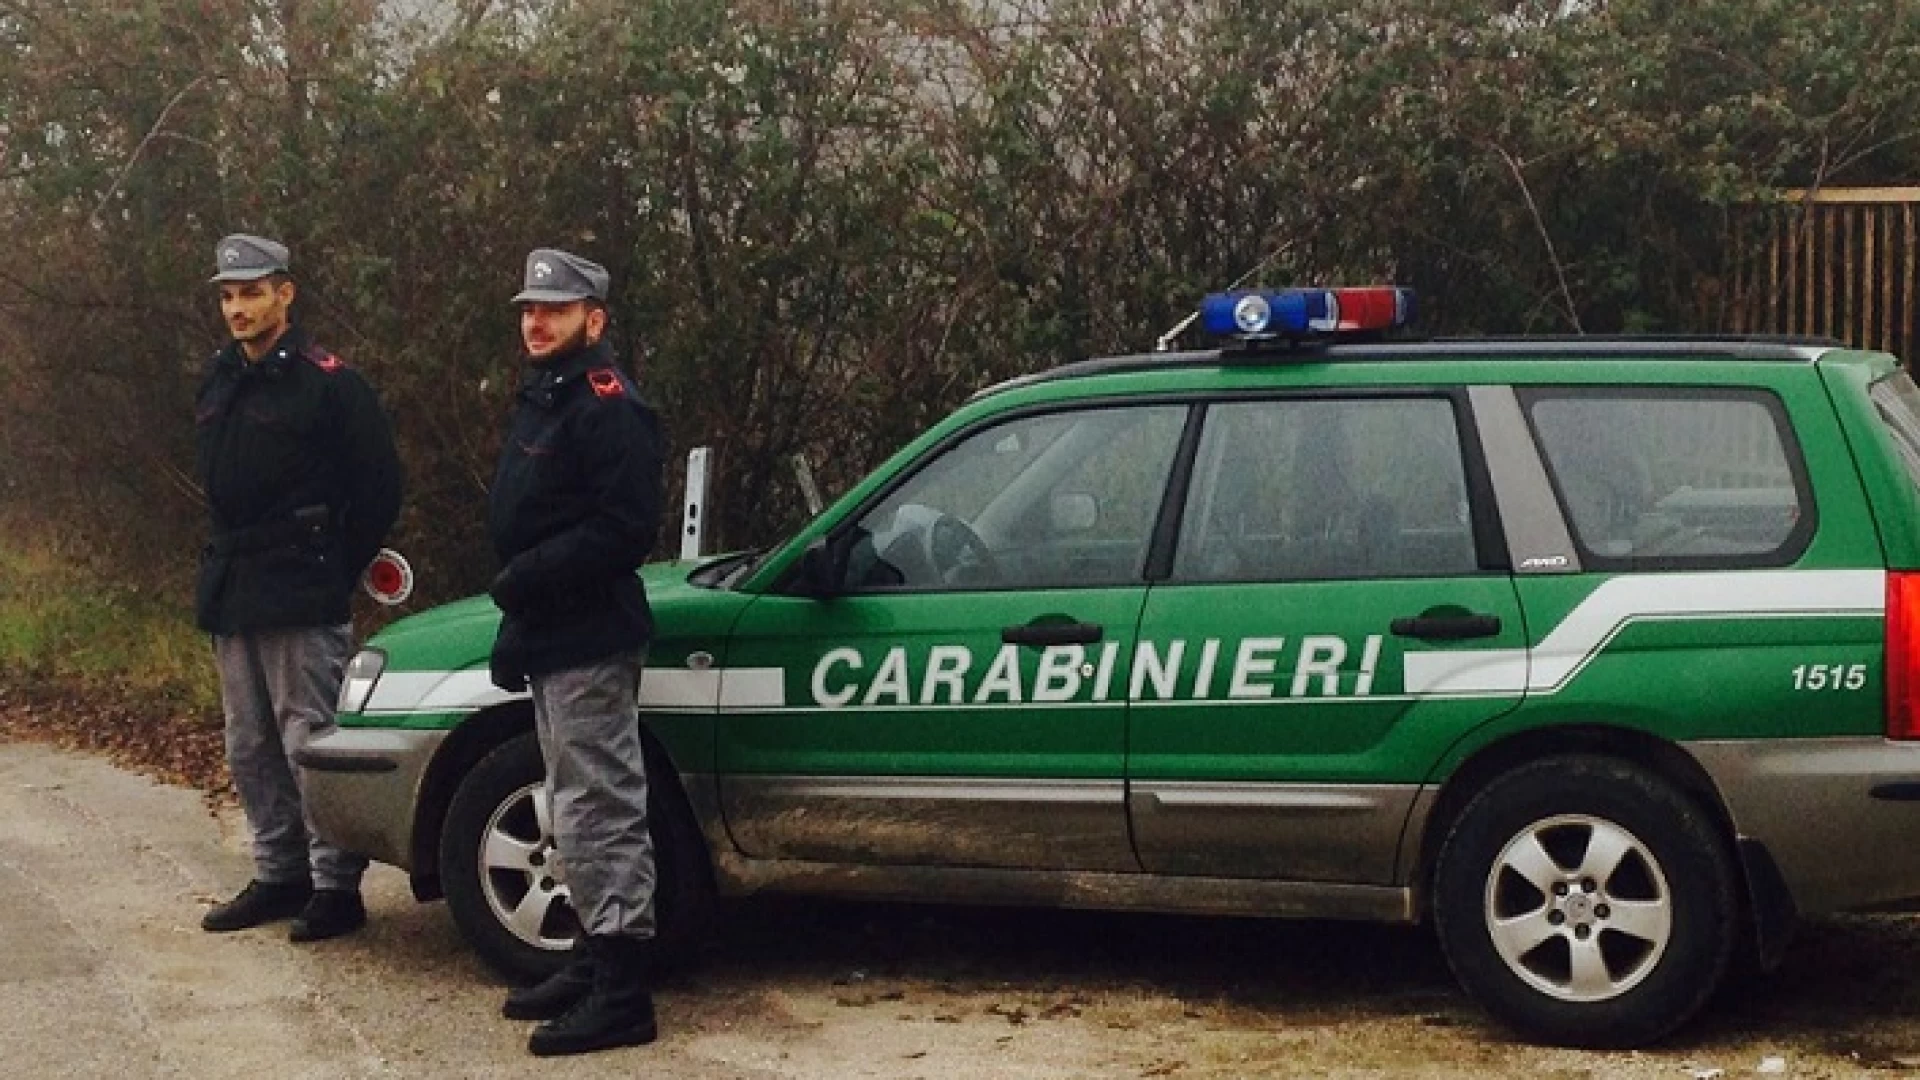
<point x="1601" y="655"/>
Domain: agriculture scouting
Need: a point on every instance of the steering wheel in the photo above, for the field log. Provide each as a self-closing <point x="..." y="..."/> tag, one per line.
<point x="958" y="554"/>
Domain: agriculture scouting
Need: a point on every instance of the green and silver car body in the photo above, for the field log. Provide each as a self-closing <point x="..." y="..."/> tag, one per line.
<point x="1271" y="633"/>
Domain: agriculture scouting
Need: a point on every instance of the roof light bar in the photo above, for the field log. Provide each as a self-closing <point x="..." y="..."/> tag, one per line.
<point x="1268" y="313"/>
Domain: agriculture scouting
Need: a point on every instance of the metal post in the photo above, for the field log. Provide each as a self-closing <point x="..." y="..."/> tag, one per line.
<point x="693" y="520"/>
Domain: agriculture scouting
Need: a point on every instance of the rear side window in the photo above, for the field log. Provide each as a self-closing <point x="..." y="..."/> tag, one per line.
<point x="1319" y="489"/>
<point x="1898" y="401"/>
<point x="1674" y="477"/>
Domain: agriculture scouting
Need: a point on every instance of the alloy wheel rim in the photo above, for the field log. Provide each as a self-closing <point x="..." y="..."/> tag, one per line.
<point x="521" y="874"/>
<point x="1578" y="908"/>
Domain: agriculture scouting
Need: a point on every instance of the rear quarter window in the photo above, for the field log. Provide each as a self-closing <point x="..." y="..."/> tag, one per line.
<point x="1674" y="478"/>
<point x="1897" y="400"/>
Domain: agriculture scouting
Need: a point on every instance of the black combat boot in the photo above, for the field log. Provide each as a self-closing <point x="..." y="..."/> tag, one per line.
<point x="260" y="902"/>
<point x="618" y="1011"/>
<point x="561" y="990"/>
<point x="331" y="913"/>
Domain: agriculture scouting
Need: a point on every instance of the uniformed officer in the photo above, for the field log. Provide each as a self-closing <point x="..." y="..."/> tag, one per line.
<point x="572" y="514"/>
<point x="297" y="462"/>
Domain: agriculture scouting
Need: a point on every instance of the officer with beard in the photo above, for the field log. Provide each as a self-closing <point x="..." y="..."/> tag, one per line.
<point x="572" y="513"/>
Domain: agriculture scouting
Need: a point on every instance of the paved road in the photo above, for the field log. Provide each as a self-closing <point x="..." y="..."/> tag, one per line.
<point x="104" y="971"/>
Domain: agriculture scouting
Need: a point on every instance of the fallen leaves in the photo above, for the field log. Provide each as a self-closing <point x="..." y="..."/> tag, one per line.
<point x="150" y="738"/>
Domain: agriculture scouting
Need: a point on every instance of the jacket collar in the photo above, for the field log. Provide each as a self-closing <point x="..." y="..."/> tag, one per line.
<point x="291" y="345"/>
<point x="549" y="377"/>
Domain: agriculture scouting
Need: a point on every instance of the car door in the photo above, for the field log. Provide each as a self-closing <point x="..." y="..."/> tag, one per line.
<point x="1335" y="612"/>
<point x="959" y="698"/>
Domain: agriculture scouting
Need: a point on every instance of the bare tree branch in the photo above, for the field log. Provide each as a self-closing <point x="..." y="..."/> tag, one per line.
<point x="152" y="133"/>
<point x="1539" y="223"/>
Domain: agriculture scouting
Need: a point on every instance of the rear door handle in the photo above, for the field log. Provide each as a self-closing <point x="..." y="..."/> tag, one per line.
<point x="1446" y="627"/>
<point x="1053" y="633"/>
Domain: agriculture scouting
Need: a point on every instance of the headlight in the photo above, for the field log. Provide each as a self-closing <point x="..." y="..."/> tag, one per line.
<point x="362" y="672"/>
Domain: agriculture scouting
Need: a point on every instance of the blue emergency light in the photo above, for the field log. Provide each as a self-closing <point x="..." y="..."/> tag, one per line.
<point x="1273" y="313"/>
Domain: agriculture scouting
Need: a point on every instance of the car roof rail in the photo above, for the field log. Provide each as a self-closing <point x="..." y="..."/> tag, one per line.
<point x="1681" y="347"/>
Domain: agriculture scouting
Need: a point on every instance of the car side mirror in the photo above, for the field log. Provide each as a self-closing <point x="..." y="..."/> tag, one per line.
<point x="821" y="571"/>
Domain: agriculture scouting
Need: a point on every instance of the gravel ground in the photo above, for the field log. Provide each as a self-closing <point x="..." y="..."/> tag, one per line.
<point x="103" y="875"/>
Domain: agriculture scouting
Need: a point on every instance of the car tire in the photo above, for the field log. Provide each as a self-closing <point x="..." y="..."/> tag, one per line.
<point x="1585" y="902"/>
<point x="495" y="848"/>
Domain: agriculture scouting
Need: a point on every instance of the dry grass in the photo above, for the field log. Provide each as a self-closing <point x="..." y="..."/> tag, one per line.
<point x="90" y="660"/>
<point x="67" y="616"/>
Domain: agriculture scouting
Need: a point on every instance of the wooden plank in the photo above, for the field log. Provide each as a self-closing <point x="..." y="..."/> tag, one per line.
<point x="1830" y="248"/>
<point x="1790" y="278"/>
<point x="1866" y="275"/>
<point x="1803" y="280"/>
<point x="1797" y="255"/>
<point x="1849" y="269"/>
<point x="1854" y="195"/>
<point x="1907" y="285"/>
<point x="1883" y="223"/>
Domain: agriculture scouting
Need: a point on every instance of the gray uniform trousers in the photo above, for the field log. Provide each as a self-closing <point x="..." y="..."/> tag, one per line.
<point x="587" y="720"/>
<point x="279" y="689"/>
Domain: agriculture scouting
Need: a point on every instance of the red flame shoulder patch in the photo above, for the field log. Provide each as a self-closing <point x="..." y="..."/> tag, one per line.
<point x="325" y="361"/>
<point x="605" y="382"/>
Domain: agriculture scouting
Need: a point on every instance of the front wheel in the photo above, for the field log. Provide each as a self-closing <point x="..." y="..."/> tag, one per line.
<point x="1586" y="902"/>
<point x="507" y="891"/>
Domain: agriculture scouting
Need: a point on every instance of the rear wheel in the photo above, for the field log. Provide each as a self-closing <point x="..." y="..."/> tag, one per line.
<point x="1586" y="902"/>
<point x="508" y="893"/>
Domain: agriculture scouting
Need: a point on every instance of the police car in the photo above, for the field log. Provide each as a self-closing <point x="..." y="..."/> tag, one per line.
<point x="1601" y="655"/>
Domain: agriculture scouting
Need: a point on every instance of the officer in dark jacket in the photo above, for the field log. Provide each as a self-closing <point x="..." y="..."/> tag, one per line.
<point x="573" y="512"/>
<point x="297" y="462"/>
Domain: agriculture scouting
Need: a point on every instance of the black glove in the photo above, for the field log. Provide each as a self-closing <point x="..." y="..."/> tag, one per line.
<point x="511" y="682"/>
<point x="506" y="663"/>
<point x="506" y="676"/>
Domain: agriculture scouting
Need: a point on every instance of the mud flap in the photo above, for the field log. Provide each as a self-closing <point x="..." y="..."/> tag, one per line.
<point x="1774" y="913"/>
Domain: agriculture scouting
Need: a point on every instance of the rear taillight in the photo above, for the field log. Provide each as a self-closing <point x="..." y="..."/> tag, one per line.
<point x="1903" y="654"/>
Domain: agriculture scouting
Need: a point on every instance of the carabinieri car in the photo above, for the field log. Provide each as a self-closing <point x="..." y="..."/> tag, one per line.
<point x="1599" y="654"/>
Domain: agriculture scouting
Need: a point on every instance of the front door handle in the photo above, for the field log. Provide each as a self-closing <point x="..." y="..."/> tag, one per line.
<point x="1446" y="627"/>
<point x="1052" y="633"/>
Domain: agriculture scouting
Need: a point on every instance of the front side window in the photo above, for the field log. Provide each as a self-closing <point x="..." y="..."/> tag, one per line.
<point x="1682" y="477"/>
<point x="1319" y="489"/>
<point x="1051" y="500"/>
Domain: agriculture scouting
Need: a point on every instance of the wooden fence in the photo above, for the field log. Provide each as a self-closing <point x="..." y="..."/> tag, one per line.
<point x="1833" y="262"/>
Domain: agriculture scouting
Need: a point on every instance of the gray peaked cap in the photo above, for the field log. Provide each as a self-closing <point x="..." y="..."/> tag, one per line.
<point x="557" y="277"/>
<point x="241" y="257"/>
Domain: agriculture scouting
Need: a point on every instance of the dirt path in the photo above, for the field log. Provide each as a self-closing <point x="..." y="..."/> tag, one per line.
<point x="103" y="876"/>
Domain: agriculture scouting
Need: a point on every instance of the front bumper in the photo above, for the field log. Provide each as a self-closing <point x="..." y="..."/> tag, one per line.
<point x="1830" y="812"/>
<point x="363" y="788"/>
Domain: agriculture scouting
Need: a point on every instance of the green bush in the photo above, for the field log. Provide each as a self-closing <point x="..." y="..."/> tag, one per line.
<point x="830" y="220"/>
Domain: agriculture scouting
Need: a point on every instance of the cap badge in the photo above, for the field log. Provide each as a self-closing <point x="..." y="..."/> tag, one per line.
<point x="542" y="270"/>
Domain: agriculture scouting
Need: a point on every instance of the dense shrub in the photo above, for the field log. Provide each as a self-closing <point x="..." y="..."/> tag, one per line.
<point x="829" y="220"/>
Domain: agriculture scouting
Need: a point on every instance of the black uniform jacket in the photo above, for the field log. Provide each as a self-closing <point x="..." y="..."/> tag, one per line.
<point x="302" y="483"/>
<point x="573" y="512"/>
